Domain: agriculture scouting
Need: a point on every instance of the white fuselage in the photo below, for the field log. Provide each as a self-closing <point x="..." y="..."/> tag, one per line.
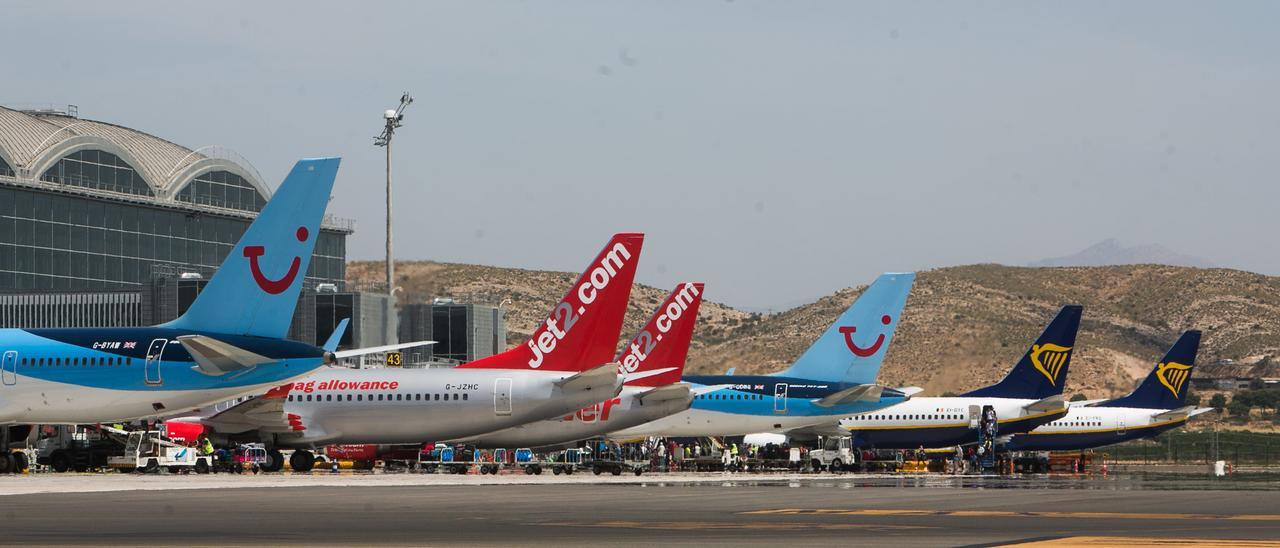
<point x="942" y="421"/>
<point x="36" y="401"/>
<point x="408" y="406"/>
<point x="623" y="411"/>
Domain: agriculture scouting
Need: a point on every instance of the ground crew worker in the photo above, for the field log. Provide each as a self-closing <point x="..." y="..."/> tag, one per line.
<point x="206" y="446"/>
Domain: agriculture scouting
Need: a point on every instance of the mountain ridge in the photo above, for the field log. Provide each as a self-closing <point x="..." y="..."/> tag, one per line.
<point x="963" y="326"/>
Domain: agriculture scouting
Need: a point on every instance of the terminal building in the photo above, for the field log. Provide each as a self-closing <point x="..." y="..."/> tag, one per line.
<point x="103" y="225"/>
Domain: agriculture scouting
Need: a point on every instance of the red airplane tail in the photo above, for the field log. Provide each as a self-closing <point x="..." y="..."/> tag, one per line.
<point x="582" y="330"/>
<point x="663" y="344"/>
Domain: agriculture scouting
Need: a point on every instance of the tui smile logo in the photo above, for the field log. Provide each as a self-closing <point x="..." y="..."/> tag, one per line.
<point x="861" y="352"/>
<point x="274" y="287"/>
<point x="1173" y="375"/>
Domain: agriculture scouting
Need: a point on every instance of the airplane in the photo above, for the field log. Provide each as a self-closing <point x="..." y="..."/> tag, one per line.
<point x="651" y="364"/>
<point x="1157" y="405"/>
<point x="564" y="366"/>
<point x="832" y="379"/>
<point x="1030" y="395"/>
<point x="228" y="343"/>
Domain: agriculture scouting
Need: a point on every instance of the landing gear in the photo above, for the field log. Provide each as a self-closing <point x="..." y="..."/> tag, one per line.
<point x="6" y="463"/>
<point x="275" y="461"/>
<point x="302" y="461"/>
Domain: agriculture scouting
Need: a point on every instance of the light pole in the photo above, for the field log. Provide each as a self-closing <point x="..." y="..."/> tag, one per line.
<point x="393" y="119"/>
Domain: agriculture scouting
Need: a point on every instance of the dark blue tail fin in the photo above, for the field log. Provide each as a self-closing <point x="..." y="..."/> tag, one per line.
<point x="1167" y="385"/>
<point x="256" y="289"/>
<point x="1043" y="369"/>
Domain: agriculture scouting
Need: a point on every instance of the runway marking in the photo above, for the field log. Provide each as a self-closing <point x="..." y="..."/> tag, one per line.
<point x="1136" y="542"/>
<point x="724" y="525"/>
<point x="877" y="512"/>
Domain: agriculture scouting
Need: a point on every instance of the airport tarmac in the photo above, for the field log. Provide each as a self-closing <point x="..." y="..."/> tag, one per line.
<point x="702" y="508"/>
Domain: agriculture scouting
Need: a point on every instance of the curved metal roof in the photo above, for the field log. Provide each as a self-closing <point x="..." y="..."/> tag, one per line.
<point x="31" y="142"/>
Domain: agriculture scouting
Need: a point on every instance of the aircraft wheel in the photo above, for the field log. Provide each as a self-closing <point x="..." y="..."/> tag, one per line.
<point x="275" y="461"/>
<point x="202" y="466"/>
<point x="20" y="463"/>
<point x="60" y="461"/>
<point x="6" y="463"/>
<point x="302" y="461"/>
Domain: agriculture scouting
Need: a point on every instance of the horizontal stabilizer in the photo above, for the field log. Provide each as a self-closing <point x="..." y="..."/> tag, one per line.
<point x="264" y="413"/>
<point x="1047" y="405"/>
<point x="1180" y="413"/>
<point x="859" y="393"/>
<point x="591" y="379"/>
<point x="812" y="432"/>
<point x="1084" y="403"/>
<point x="215" y="358"/>
<point x="628" y="378"/>
<point x="378" y="349"/>
<point x="678" y="391"/>
<point x="709" y="388"/>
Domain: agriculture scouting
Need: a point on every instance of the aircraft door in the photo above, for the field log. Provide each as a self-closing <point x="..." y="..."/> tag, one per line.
<point x="780" y="398"/>
<point x="502" y="396"/>
<point x="1120" y="426"/>
<point x="9" y="368"/>
<point x="152" y="366"/>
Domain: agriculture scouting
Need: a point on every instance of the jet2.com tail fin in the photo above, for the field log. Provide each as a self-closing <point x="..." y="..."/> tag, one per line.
<point x="852" y="349"/>
<point x="582" y="330"/>
<point x="657" y="355"/>
<point x="1043" y="369"/>
<point x="1167" y="385"/>
<point x="256" y="289"/>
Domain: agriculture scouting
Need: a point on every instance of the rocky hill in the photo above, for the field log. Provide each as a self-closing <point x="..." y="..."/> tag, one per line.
<point x="963" y="327"/>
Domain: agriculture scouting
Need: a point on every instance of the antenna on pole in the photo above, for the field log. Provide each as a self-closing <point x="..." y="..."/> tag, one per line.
<point x="392" y="120"/>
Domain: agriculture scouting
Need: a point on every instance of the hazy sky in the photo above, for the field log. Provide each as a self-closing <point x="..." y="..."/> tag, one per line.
<point x="775" y="150"/>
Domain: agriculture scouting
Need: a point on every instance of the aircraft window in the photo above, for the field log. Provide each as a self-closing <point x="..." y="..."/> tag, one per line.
<point x="308" y="397"/>
<point x="359" y="397"/>
<point x="436" y="397"/>
<point x="379" y="397"/>
<point x="398" y="397"/>
<point x="455" y="397"/>
<point x="464" y="397"/>
<point x="328" y="397"/>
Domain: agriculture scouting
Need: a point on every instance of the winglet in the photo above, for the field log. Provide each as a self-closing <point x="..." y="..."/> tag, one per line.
<point x="255" y="291"/>
<point x="581" y="332"/>
<point x="663" y="343"/>
<point x="336" y="337"/>
<point x="852" y="348"/>
<point x="1042" y="371"/>
<point x="1167" y="385"/>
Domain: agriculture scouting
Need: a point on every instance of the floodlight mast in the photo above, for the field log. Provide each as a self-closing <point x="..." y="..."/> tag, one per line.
<point x="393" y="119"/>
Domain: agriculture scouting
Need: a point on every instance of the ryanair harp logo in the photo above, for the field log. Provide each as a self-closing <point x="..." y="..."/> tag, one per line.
<point x="1049" y="359"/>
<point x="1173" y="375"/>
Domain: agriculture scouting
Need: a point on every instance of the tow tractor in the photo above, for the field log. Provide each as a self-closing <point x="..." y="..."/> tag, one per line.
<point x="148" y="451"/>
<point x="834" y="454"/>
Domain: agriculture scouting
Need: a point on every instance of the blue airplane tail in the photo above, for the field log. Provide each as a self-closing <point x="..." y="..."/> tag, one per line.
<point x="256" y="289"/>
<point x="852" y="348"/>
<point x="1167" y="385"/>
<point x="1043" y="369"/>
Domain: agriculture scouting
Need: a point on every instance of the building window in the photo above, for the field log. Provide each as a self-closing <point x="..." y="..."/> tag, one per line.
<point x="99" y="170"/>
<point x="222" y="189"/>
<point x="5" y="169"/>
